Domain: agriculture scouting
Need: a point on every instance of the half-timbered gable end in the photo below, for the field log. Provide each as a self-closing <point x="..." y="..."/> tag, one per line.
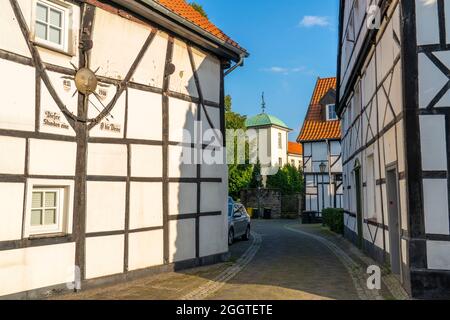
<point x="320" y="137"/>
<point x="393" y="103"/>
<point x="99" y="104"/>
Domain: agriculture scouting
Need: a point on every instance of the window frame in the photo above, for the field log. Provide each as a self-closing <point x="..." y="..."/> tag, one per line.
<point x="64" y="215"/>
<point x="280" y="141"/>
<point x="53" y="228"/>
<point x="66" y="34"/>
<point x="328" y="112"/>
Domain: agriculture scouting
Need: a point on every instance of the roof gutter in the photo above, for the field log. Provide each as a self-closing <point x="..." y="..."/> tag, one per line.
<point x="167" y="19"/>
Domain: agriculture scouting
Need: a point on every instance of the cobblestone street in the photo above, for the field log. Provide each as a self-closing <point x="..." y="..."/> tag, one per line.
<point x="284" y="260"/>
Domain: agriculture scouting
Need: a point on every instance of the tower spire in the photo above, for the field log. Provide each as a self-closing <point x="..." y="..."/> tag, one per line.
<point x="263" y="104"/>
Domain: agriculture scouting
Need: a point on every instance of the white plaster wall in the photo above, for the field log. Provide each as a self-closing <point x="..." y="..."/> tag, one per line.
<point x="182" y="162"/>
<point x="18" y="96"/>
<point x="12" y="211"/>
<point x="181" y="240"/>
<point x="144" y="115"/>
<point x="146" y="208"/>
<point x="433" y="143"/>
<point x="151" y="68"/>
<point x="431" y="81"/>
<point x="105" y="206"/>
<point x="14" y="162"/>
<point x="182" y="198"/>
<point x="146" y="249"/>
<point x="438" y="255"/>
<point x="104" y="256"/>
<point x="48" y="104"/>
<point x="435" y="197"/>
<point x="208" y="68"/>
<point x="113" y="125"/>
<point x="214" y="116"/>
<point x="277" y="152"/>
<point x="427" y="22"/>
<point x="107" y="159"/>
<point x="390" y="149"/>
<point x="182" y="81"/>
<point x="182" y="116"/>
<point x="114" y="55"/>
<point x="28" y="269"/>
<point x="14" y="42"/>
<point x="297" y="159"/>
<point x="146" y="161"/>
<point x="213" y="197"/>
<point x="213" y="236"/>
<point x="49" y="157"/>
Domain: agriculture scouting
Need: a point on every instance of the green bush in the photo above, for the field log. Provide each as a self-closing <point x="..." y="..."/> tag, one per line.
<point x="334" y="219"/>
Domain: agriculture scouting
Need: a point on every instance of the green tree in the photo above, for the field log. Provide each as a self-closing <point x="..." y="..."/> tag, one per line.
<point x="288" y="179"/>
<point x="256" y="172"/>
<point x="199" y="8"/>
<point x="239" y="175"/>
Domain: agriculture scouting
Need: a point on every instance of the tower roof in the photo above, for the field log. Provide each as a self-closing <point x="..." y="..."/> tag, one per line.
<point x="265" y="120"/>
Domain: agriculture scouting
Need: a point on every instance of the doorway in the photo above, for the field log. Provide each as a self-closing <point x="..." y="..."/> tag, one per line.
<point x="394" y="221"/>
<point x="359" y="211"/>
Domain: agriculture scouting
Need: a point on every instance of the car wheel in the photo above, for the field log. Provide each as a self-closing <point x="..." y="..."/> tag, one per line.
<point x="230" y="237"/>
<point x="246" y="236"/>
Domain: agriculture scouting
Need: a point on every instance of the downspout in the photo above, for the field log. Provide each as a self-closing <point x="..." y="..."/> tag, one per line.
<point x="238" y="64"/>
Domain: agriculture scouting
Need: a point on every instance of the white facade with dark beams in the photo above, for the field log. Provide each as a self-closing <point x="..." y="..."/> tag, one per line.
<point x="96" y="98"/>
<point x="394" y="107"/>
<point x="322" y="162"/>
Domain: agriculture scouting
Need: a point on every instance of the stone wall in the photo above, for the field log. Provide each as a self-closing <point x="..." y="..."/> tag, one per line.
<point x="270" y="199"/>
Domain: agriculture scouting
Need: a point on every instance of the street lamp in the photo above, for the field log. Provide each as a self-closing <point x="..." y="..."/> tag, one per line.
<point x="322" y="167"/>
<point x="259" y="179"/>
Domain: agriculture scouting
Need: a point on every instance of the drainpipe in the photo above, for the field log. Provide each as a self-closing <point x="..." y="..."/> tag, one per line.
<point x="238" y="64"/>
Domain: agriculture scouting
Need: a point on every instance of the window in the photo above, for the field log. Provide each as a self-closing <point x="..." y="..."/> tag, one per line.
<point x="47" y="207"/>
<point x="280" y="162"/>
<point x="51" y="24"/>
<point x="293" y="163"/>
<point x="280" y="140"/>
<point x="331" y="112"/>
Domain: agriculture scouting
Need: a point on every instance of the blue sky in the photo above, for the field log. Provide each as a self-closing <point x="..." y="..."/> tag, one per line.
<point x="291" y="42"/>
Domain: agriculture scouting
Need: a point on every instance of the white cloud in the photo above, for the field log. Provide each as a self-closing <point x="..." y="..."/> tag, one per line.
<point x="315" y="21"/>
<point x="285" y="71"/>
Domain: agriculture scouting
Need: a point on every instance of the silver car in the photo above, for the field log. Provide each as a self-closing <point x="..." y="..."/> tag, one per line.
<point x="239" y="222"/>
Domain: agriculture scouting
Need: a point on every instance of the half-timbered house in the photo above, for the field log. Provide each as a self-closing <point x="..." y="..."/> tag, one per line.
<point x="393" y="99"/>
<point x="97" y="103"/>
<point x="320" y="136"/>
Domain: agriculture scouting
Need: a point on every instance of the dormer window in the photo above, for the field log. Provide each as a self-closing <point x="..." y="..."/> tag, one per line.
<point x="331" y="112"/>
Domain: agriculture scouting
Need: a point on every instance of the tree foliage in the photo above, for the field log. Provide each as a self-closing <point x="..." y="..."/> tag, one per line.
<point x="289" y="180"/>
<point x="239" y="175"/>
<point x="199" y="8"/>
<point x="256" y="172"/>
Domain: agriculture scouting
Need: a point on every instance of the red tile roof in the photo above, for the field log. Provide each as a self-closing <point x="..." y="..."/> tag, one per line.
<point x="295" y="148"/>
<point x="315" y="127"/>
<point x="184" y="10"/>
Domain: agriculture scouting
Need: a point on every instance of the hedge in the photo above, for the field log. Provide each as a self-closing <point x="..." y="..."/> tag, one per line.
<point x="334" y="219"/>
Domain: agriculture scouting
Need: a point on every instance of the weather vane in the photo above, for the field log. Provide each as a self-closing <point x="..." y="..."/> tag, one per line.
<point x="263" y="104"/>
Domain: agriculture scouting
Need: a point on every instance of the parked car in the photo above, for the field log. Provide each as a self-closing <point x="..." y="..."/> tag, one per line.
<point x="239" y="222"/>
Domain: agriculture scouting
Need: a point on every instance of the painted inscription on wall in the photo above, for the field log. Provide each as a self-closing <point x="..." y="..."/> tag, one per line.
<point x="111" y="127"/>
<point x="53" y="119"/>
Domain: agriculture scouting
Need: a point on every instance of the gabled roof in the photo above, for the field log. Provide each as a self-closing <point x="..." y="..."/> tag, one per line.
<point x="295" y="148"/>
<point x="264" y="120"/>
<point x="315" y="127"/>
<point x="187" y="12"/>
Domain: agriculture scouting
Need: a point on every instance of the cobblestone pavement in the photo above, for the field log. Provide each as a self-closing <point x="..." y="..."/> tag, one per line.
<point x="284" y="260"/>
